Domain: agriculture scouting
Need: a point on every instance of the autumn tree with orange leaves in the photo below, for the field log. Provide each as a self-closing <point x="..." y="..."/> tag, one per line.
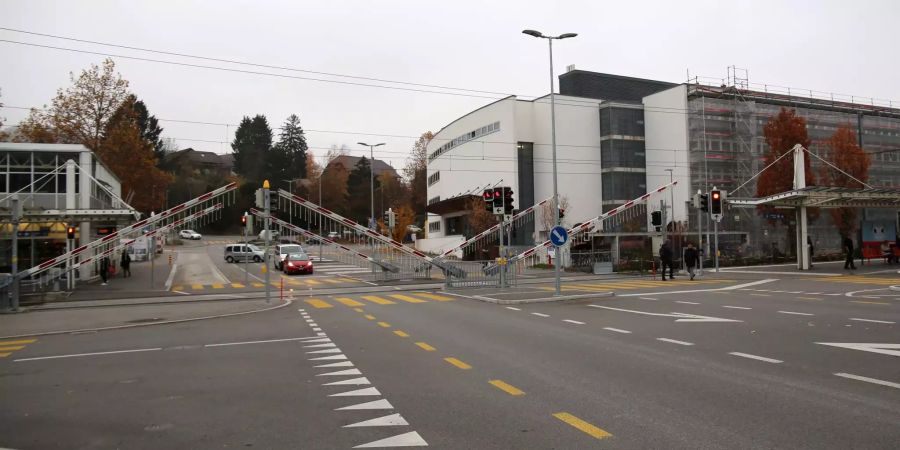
<point x="846" y="155"/>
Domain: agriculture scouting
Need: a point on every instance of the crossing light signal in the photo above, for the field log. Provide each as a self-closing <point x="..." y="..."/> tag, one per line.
<point x="507" y="200"/>
<point x="562" y="213"/>
<point x="704" y="202"/>
<point x="244" y="220"/>
<point x="273" y="202"/>
<point x="488" y="197"/>
<point x="715" y="197"/>
<point x="656" y="218"/>
<point x="70" y="232"/>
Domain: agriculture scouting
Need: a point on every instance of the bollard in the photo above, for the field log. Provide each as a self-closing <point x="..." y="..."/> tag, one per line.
<point x="653" y="268"/>
<point x="281" y="290"/>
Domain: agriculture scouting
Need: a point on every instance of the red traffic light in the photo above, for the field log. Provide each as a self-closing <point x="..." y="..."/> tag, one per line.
<point x="488" y="195"/>
<point x="715" y="195"/>
<point x="244" y="220"/>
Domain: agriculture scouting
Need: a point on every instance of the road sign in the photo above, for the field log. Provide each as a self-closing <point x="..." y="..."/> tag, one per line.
<point x="558" y="236"/>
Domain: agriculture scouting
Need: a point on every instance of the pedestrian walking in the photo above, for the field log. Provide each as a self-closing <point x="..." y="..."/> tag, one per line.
<point x="848" y="247"/>
<point x="809" y="243"/>
<point x="665" y="259"/>
<point x="104" y="270"/>
<point x="126" y="264"/>
<point x="691" y="258"/>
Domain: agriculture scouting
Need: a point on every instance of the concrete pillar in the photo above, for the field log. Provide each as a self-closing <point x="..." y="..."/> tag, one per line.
<point x="85" y="162"/>
<point x="71" y="201"/>
<point x="803" y="256"/>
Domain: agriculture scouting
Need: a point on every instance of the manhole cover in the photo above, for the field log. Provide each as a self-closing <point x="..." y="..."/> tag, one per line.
<point x="147" y="320"/>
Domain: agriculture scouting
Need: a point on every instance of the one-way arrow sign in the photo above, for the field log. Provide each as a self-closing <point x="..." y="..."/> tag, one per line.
<point x="679" y="317"/>
<point x="885" y="349"/>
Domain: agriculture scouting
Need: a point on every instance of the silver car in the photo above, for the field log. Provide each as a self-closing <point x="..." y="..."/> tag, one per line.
<point x="243" y="252"/>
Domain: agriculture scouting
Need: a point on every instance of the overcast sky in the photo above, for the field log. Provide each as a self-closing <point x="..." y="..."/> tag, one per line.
<point x="831" y="46"/>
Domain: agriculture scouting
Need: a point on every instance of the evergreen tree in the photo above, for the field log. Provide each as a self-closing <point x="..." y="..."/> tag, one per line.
<point x="252" y="146"/>
<point x="292" y="145"/>
<point x="147" y="124"/>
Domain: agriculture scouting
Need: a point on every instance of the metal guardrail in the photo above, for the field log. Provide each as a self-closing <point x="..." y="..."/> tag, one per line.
<point x="461" y="274"/>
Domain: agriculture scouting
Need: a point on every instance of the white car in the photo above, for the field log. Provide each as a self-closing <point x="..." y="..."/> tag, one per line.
<point x="273" y="234"/>
<point x="282" y="250"/>
<point x="189" y="234"/>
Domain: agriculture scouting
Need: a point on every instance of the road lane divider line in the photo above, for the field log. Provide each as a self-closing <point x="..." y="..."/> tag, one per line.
<point x="269" y="341"/>
<point x="458" y="363"/>
<point x="796" y="313"/>
<point x="369" y="316"/>
<point x="814" y="299"/>
<point x="540" y="314"/>
<point x="649" y="298"/>
<point x="761" y="295"/>
<point x="425" y="347"/>
<point x="78" y="355"/>
<point x="758" y="358"/>
<point x="513" y="308"/>
<point x="869" y="303"/>
<point x="873" y="321"/>
<point x="617" y="330"/>
<point x="869" y="380"/>
<point x="506" y="387"/>
<point x="686" y="303"/>
<point x="401" y="333"/>
<point x="573" y="321"/>
<point x="581" y="425"/>
<point x="384" y="325"/>
<point x="674" y="341"/>
<point x="735" y="307"/>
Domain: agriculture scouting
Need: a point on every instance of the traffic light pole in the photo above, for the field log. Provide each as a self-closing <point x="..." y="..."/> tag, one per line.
<point x="266" y="233"/>
<point x="14" y="288"/>
<point x="716" y="234"/>
<point x="700" y="234"/>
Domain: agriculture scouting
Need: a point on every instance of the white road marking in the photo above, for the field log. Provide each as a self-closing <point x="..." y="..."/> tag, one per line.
<point x="357" y="393"/>
<point x="796" y="313"/>
<point x="573" y="321"/>
<point x="269" y="341"/>
<point x="301" y="310"/>
<point x="351" y="382"/>
<point x="77" y="355"/>
<point x="411" y="439"/>
<point x="337" y="364"/>
<point x="869" y="380"/>
<point x="327" y="345"/>
<point x="385" y="421"/>
<point x="320" y="334"/>
<point x="541" y="314"/>
<point x="318" y="339"/>
<point x="649" y="298"/>
<point x="758" y="358"/>
<point x="674" y="341"/>
<point x="375" y="404"/>
<point x="308" y="320"/>
<point x="317" y="329"/>
<point x="680" y="317"/>
<point x="513" y="308"/>
<point x="617" y="330"/>
<point x="873" y="321"/>
<point x="327" y="350"/>
<point x="686" y="303"/>
<point x="341" y="373"/>
<point x="690" y="291"/>
<point x="323" y="358"/>
<point x="885" y="349"/>
<point x="736" y="307"/>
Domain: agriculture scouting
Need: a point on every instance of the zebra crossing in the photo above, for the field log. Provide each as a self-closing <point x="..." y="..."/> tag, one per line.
<point x="355" y="301"/>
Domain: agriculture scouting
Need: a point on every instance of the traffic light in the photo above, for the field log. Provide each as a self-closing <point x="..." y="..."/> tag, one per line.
<point x="244" y="220"/>
<point x="498" y="199"/>
<point x="488" y="196"/>
<point x="273" y="201"/>
<point x="507" y="200"/>
<point x="562" y="213"/>
<point x="656" y="218"/>
<point x="70" y="232"/>
<point x="715" y="197"/>
<point x="704" y="202"/>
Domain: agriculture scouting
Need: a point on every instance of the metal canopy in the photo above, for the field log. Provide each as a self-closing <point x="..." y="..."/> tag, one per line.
<point x="825" y="197"/>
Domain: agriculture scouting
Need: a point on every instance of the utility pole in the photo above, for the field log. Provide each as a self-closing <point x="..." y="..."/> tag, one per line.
<point x="266" y="224"/>
<point x="700" y="231"/>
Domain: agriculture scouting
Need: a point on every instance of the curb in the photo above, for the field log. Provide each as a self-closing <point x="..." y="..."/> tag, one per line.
<point x="135" y="325"/>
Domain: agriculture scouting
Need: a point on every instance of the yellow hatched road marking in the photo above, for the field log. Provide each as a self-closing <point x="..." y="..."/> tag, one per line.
<point x="401" y="333"/>
<point x="295" y="282"/>
<point x="458" y="363"/>
<point x="197" y="287"/>
<point x="426" y="347"/>
<point x="506" y="387"/>
<point x="218" y="286"/>
<point x="384" y="324"/>
<point x="12" y="348"/>
<point x="591" y="430"/>
<point x="869" y="303"/>
<point x="349" y="301"/>
<point x="178" y="288"/>
<point x="18" y="342"/>
<point x="313" y="282"/>
<point x="237" y="285"/>
<point x="407" y="298"/>
<point x="439" y="298"/>
<point x="377" y="299"/>
<point x="257" y="285"/>
<point x="370" y="317"/>
<point x="316" y="303"/>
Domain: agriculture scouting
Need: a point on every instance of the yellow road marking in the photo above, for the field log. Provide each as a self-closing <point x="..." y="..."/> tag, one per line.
<point x="377" y="299"/>
<point x="370" y="317"/>
<point x="401" y="333"/>
<point x="809" y="298"/>
<point x="349" y="301"/>
<point x="384" y="324"/>
<point x="178" y="288"/>
<point x="218" y="286"/>
<point x="3" y="355"/>
<point x="329" y="280"/>
<point x="458" y="363"/>
<point x="506" y="387"/>
<point x="237" y="285"/>
<point x="869" y="303"/>
<point x="197" y="287"/>
<point x="20" y="341"/>
<point x="761" y="295"/>
<point x="257" y="285"/>
<point x="358" y="309"/>
<point x="439" y="298"/>
<point x="426" y="347"/>
<point x="582" y="425"/>
<point x="313" y="282"/>
<point x="316" y="303"/>
<point x="12" y="348"/>
<point x="407" y="298"/>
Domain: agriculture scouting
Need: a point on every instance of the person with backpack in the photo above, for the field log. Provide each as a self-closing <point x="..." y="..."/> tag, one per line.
<point x="665" y="259"/>
<point x="691" y="258"/>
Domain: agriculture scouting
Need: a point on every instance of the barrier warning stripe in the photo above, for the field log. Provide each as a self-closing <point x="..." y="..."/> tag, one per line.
<point x="167" y="214"/>
<point x="496" y="227"/>
<point x="588" y="225"/>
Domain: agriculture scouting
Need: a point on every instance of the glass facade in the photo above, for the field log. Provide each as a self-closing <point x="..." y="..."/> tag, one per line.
<point x="623" y="159"/>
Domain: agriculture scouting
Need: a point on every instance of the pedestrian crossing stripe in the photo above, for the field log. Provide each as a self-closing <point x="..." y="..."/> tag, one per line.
<point x="8" y="347"/>
<point x="440" y="298"/>
<point x="349" y="302"/>
<point x="638" y="284"/>
<point x="317" y="303"/>
<point x="377" y="300"/>
<point x="277" y="282"/>
<point x="366" y="300"/>
<point x="407" y="298"/>
<point x="861" y="279"/>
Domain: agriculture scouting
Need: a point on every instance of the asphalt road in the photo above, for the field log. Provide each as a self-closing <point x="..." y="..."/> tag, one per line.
<point x="790" y="363"/>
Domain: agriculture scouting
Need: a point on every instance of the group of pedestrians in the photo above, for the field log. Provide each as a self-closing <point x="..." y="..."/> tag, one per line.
<point x="106" y="265"/>
<point x="666" y="258"/>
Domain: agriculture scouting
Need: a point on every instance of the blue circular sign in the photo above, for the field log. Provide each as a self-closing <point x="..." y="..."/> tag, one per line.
<point x="558" y="236"/>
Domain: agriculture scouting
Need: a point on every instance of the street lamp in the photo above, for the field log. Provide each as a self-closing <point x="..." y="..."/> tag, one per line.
<point x="371" y="178"/>
<point x="550" y="39"/>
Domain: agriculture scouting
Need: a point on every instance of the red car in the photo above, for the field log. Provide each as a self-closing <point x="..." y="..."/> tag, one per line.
<point x="297" y="263"/>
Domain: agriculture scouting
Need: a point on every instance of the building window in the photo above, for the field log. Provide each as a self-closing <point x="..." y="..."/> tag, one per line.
<point x="475" y="134"/>
<point x="621" y="121"/>
<point x="434" y="178"/>
<point x="622" y="153"/>
<point x="434" y="200"/>
<point x="434" y="227"/>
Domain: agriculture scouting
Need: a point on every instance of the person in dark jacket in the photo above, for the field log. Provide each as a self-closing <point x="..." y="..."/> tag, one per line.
<point x="126" y="264"/>
<point x="104" y="269"/>
<point x="848" y="247"/>
<point x="812" y="249"/>
<point x="691" y="258"/>
<point x="665" y="259"/>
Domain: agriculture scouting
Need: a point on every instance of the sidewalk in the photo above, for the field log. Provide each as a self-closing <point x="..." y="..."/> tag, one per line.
<point x="136" y="286"/>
